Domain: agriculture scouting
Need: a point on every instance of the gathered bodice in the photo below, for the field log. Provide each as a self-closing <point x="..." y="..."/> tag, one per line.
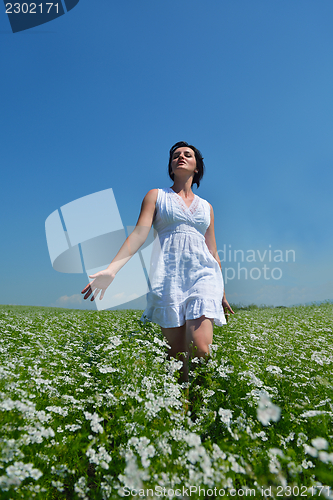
<point x="172" y="214"/>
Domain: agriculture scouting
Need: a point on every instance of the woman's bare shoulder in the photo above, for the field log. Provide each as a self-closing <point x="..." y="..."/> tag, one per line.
<point x="148" y="208"/>
<point x="151" y="196"/>
<point x="152" y="192"/>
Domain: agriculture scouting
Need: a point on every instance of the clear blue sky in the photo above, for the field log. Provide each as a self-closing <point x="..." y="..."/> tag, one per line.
<point x="95" y="99"/>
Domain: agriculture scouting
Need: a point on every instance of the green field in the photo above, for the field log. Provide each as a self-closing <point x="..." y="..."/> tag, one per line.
<point x="90" y="407"/>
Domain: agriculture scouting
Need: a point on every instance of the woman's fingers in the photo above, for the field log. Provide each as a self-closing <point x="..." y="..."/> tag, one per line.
<point x="88" y="290"/>
<point x="230" y="309"/>
<point x="227" y="308"/>
<point x="95" y="294"/>
<point x="100" y="283"/>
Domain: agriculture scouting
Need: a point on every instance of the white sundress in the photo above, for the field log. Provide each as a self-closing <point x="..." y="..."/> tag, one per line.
<point x="185" y="280"/>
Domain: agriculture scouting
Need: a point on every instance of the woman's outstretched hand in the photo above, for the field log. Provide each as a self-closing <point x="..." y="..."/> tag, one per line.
<point x="101" y="281"/>
<point x="227" y="308"/>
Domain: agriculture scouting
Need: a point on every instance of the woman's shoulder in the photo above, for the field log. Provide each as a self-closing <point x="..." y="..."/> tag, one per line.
<point x="155" y="190"/>
<point x="204" y="201"/>
<point x="151" y="195"/>
<point x="154" y="194"/>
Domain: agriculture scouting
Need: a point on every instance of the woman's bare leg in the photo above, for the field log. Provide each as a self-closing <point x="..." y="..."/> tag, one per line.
<point x="199" y="335"/>
<point x="176" y="338"/>
<point x="196" y="335"/>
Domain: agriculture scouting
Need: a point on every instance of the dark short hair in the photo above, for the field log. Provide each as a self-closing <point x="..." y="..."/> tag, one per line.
<point x="198" y="156"/>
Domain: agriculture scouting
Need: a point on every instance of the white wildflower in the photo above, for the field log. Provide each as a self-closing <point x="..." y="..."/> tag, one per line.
<point x="325" y="457"/>
<point x="37" y="435"/>
<point x="235" y="465"/>
<point x="275" y="452"/>
<point x="101" y="458"/>
<point x="42" y="416"/>
<point x="59" y="485"/>
<point x="323" y="402"/>
<point x="114" y="342"/>
<point x="133" y="477"/>
<point x="320" y="359"/>
<point x="274" y="369"/>
<point x="262" y="435"/>
<point x="193" y="455"/>
<point x="319" y="443"/>
<point x="314" y="413"/>
<point x="302" y="438"/>
<point x="107" y="369"/>
<point x="164" y="446"/>
<point x="174" y="365"/>
<point x="162" y="343"/>
<point x="218" y="453"/>
<point x="307" y="463"/>
<point x="94" y="421"/>
<point x="310" y="450"/>
<point x="294" y="469"/>
<point x="72" y="427"/>
<point x="16" y="473"/>
<point x="192" y="439"/>
<point x="81" y="488"/>
<point x="225" y="416"/>
<point x="58" y="409"/>
<point x="224" y="371"/>
<point x="10" y="450"/>
<point x="253" y="378"/>
<point x="144" y="449"/>
<point x="267" y="411"/>
<point x="274" y="464"/>
<point x="61" y="470"/>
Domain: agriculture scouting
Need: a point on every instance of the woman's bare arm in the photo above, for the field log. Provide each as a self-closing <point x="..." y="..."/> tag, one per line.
<point x="135" y="240"/>
<point x="139" y="234"/>
<point x="211" y="244"/>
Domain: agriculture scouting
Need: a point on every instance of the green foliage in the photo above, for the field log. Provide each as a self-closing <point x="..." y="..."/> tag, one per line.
<point x="91" y="408"/>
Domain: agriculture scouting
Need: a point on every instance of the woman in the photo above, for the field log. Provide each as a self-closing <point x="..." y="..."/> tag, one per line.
<point x="187" y="293"/>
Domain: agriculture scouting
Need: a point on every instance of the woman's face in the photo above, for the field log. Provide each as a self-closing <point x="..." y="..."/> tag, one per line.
<point x="183" y="159"/>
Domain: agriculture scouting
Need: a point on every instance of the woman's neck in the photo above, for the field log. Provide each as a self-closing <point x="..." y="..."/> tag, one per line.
<point x="183" y="187"/>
